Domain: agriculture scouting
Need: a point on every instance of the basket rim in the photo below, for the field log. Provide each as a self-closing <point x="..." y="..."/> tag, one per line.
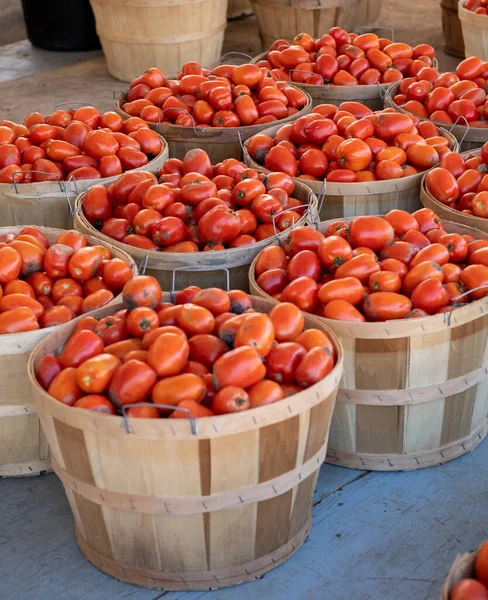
<point x="178" y="429"/>
<point x="204" y="257"/>
<point x="308" y="86"/>
<point x="395" y="328"/>
<point x="333" y="188"/>
<point x="212" y="132"/>
<point x="23" y="337"/>
<point x="453" y="126"/>
<point x="43" y="186"/>
<point x="451" y="211"/>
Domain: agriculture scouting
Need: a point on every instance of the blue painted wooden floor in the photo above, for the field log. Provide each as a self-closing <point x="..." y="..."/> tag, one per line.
<point x="375" y="536"/>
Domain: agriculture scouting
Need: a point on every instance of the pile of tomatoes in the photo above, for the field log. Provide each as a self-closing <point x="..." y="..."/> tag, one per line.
<point x="460" y="182"/>
<point x="480" y="7"/>
<point x="448" y="97"/>
<point x="209" y="352"/>
<point x="342" y="58"/>
<point x="474" y="589"/>
<point x="74" y="144"/>
<point x="195" y="206"/>
<point x="227" y="96"/>
<point x="376" y="268"/>
<point x="43" y="284"/>
<point x="350" y="143"/>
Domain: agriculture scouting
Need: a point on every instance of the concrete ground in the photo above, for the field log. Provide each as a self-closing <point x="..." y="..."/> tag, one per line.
<point x="380" y="536"/>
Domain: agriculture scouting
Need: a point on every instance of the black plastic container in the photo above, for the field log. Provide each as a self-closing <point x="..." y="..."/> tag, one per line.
<point x="66" y="25"/>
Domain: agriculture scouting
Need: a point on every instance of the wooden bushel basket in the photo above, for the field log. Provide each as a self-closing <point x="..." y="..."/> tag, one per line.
<point x="445" y="212"/>
<point x="414" y="392"/>
<point x="354" y="199"/>
<point x="139" y="34"/>
<point x="23" y="446"/>
<point x="469" y="138"/>
<point x="462" y="568"/>
<point x="218" y="142"/>
<point x="475" y="32"/>
<point x="201" y="268"/>
<point x="49" y="203"/>
<point x="165" y="503"/>
<point x="451" y="27"/>
<point x="371" y="96"/>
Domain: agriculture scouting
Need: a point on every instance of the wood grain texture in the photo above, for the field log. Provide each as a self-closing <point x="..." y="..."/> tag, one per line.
<point x="172" y="33"/>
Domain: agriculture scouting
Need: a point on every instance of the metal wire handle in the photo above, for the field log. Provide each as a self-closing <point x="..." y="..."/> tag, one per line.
<point x="447" y="319"/>
<point x="199" y="268"/>
<point x="292" y="226"/>
<point x="125" y="418"/>
<point x="367" y="29"/>
<point x="72" y="102"/>
<point x="118" y="93"/>
<point x="143" y="265"/>
<point x="15" y="182"/>
<point x="235" y="53"/>
<point x="159" y="126"/>
<point x="320" y="201"/>
<point x="62" y="187"/>
<point x="467" y="128"/>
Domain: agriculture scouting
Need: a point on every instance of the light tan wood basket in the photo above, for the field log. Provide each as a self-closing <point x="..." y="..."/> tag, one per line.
<point x="414" y="392"/>
<point x="354" y="199"/>
<point x="462" y="568"/>
<point x="371" y="96"/>
<point x="23" y="446"/>
<point x="445" y="212"/>
<point x="451" y="27"/>
<point x="469" y="138"/>
<point x="284" y="19"/>
<point x="218" y="142"/>
<point x="238" y="8"/>
<point x="50" y="203"/>
<point x="139" y="34"/>
<point x="475" y="32"/>
<point x="201" y="268"/>
<point x="170" y="504"/>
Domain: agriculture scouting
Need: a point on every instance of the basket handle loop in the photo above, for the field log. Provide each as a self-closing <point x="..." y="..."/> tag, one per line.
<point x="367" y="29"/>
<point x="73" y="103"/>
<point x="118" y="94"/>
<point x="447" y="319"/>
<point x="15" y="182"/>
<point x="199" y="268"/>
<point x="224" y="56"/>
<point x="467" y="128"/>
<point x="159" y="128"/>
<point x="320" y="198"/>
<point x="125" y="418"/>
<point x="274" y="217"/>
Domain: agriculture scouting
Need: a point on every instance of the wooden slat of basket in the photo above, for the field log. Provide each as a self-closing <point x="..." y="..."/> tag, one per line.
<point x="451" y="27"/>
<point x="138" y="34"/>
